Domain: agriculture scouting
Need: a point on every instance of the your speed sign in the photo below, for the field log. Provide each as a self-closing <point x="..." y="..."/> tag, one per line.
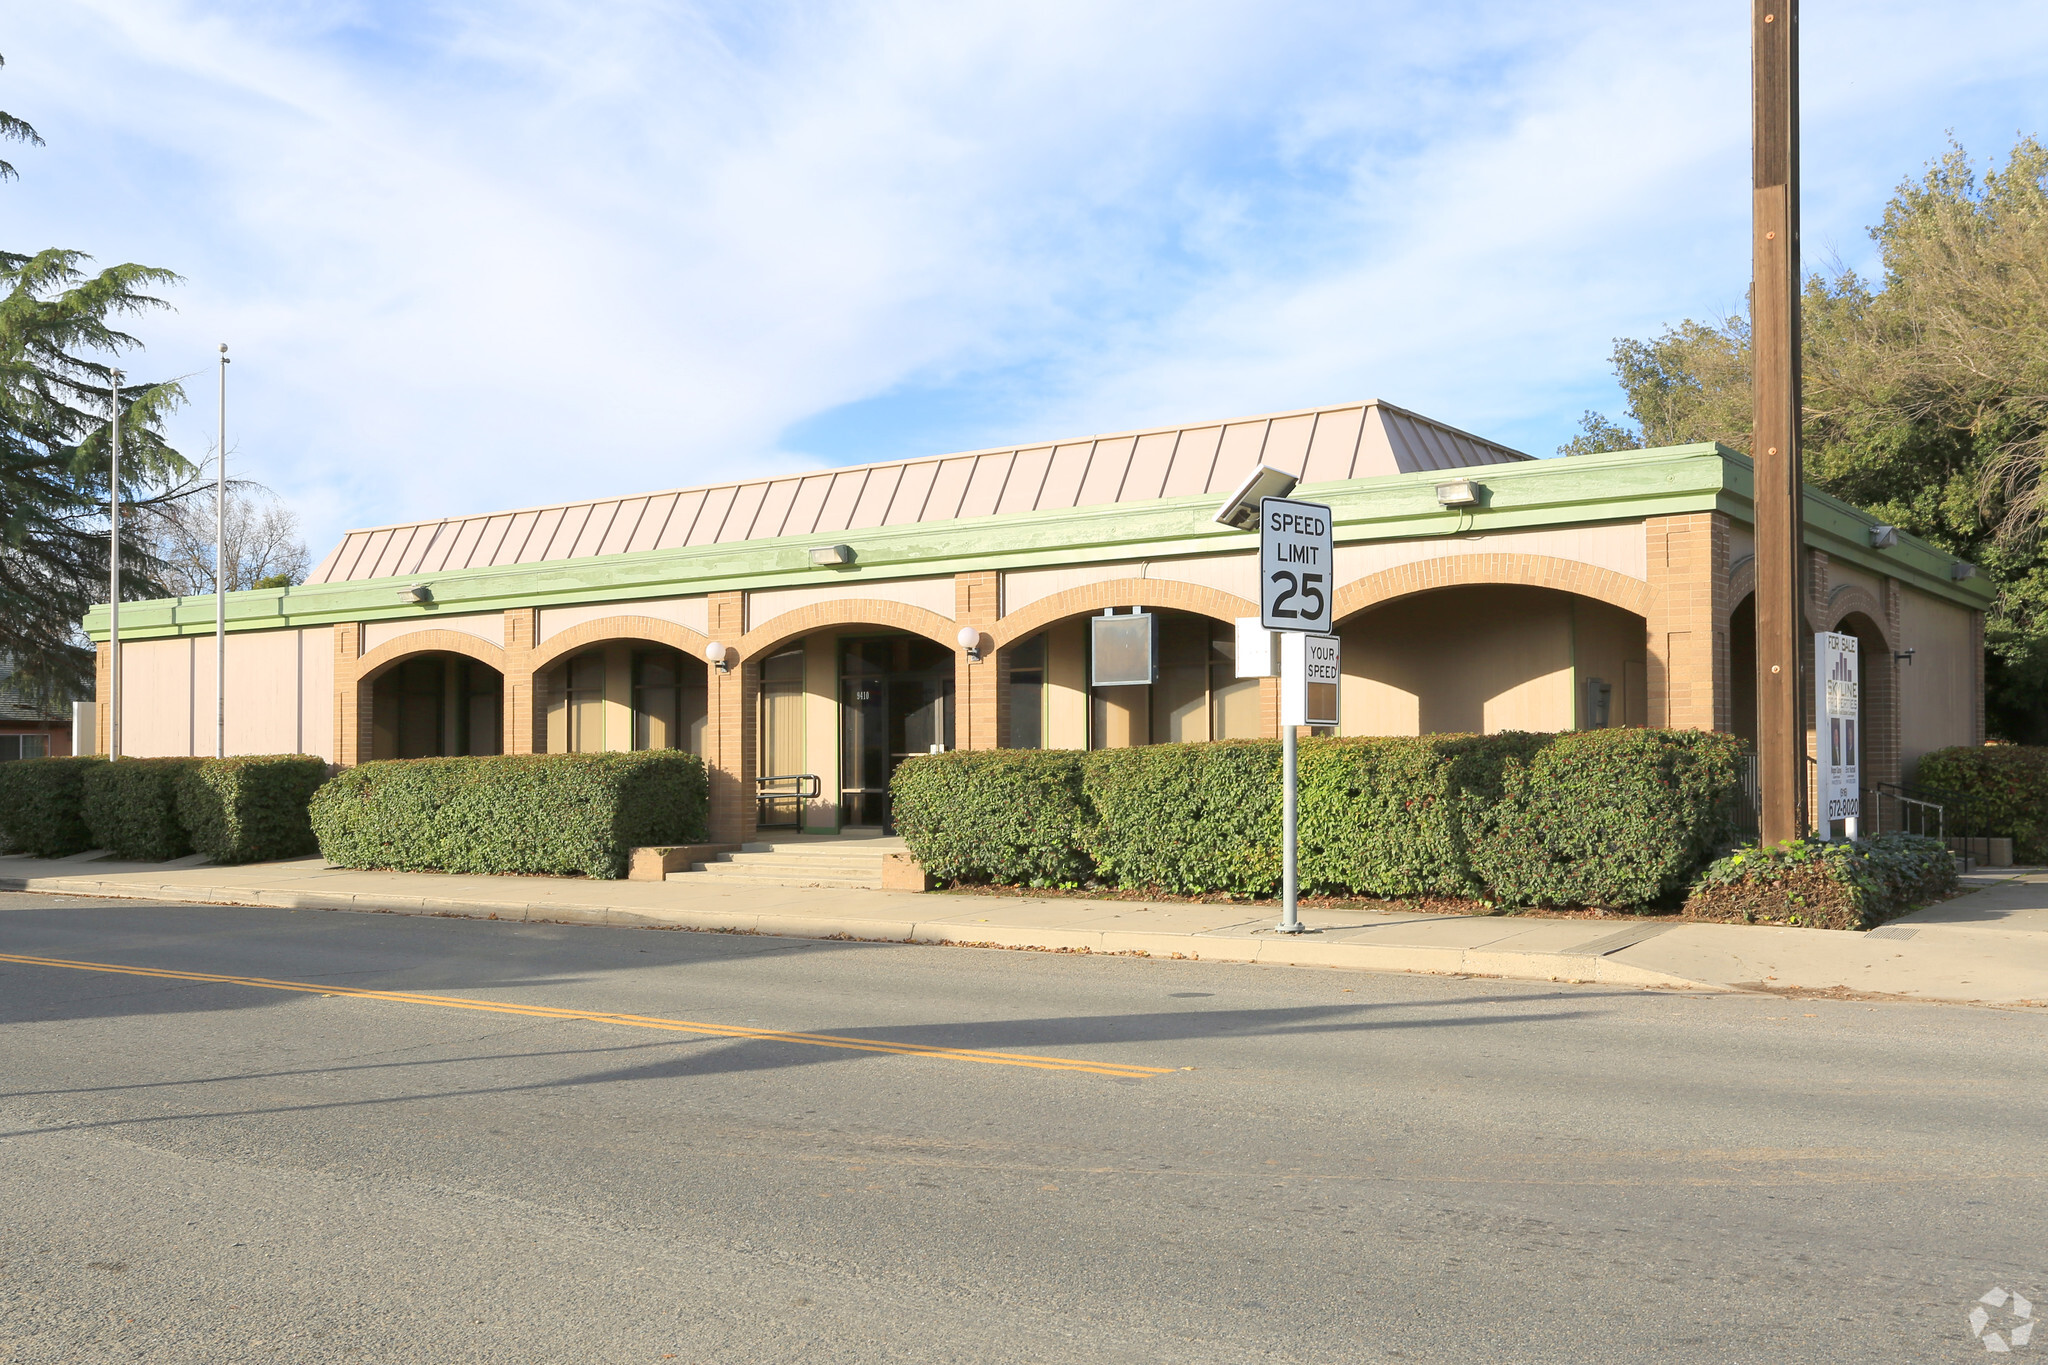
<point x="1294" y="565"/>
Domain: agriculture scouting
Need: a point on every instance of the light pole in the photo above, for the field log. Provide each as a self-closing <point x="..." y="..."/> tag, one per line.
<point x="114" y="575"/>
<point x="220" y="579"/>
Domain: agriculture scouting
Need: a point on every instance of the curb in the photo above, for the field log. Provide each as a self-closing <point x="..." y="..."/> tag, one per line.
<point x="1274" y="950"/>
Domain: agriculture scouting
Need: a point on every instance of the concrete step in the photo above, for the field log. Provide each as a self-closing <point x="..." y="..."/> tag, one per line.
<point x="776" y="876"/>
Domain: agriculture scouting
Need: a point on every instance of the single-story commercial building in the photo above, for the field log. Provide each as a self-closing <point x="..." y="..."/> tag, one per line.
<point x="804" y="633"/>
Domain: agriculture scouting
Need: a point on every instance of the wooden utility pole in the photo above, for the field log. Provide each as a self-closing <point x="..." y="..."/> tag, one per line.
<point x="1774" y="440"/>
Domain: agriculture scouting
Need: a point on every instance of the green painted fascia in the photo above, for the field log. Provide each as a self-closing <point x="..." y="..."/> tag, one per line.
<point x="1570" y="491"/>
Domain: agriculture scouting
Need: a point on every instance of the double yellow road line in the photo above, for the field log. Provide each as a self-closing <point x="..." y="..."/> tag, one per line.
<point x="735" y="1031"/>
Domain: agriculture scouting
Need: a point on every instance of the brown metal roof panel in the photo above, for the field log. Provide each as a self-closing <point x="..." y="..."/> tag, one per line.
<point x="326" y="566"/>
<point x="652" y="522"/>
<point x="619" y="534"/>
<point x="1375" y="447"/>
<point x="1151" y="464"/>
<point x="871" y="508"/>
<point x="949" y="488"/>
<point x="1241" y="449"/>
<point x="352" y="548"/>
<point x="540" y="534"/>
<point x="1027" y="478"/>
<point x="376" y="552"/>
<point x="807" y="504"/>
<point x="746" y="505"/>
<point x="1062" y="486"/>
<point x="1334" y="445"/>
<point x="425" y="537"/>
<point x="913" y="491"/>
<point x="1193" y="456"/>
<point x="682" y="520"/>
<point x="775" y="504"/>
<point x="567" y="529"/>
<point x="1108" y="464"/>
<point x="597" y="524"/>
<point x="498" y="544"/>
<point x="461" y="552"/>
<point x="985" y="484"/>
<point x="840" y="498"/>
<point x="711" y="517"/>
<point x="1286" y="446"/>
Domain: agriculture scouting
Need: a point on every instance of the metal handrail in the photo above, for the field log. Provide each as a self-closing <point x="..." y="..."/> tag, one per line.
<point x="816" y="785"/>
<point x="1912" y="809"/>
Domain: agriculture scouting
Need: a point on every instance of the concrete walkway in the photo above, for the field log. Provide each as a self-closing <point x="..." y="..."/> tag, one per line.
<point x="1989" y="946"/>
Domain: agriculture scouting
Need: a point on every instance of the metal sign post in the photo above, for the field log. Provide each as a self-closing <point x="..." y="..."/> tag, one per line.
<point x="1836" y="689"/>
<point x="1295" y="553"/>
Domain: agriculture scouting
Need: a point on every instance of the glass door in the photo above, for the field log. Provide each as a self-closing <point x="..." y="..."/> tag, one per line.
<point x="864" y="733"/>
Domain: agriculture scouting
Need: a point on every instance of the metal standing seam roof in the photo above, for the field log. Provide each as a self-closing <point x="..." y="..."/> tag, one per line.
<point x="1320" y="444"/>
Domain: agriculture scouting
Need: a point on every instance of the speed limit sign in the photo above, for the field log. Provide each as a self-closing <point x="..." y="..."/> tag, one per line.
<point x="1294" y="565"/>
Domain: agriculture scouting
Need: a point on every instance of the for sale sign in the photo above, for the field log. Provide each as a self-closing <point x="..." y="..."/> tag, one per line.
<point x="1836" y="713"/>
<point x="1294" y="565"/>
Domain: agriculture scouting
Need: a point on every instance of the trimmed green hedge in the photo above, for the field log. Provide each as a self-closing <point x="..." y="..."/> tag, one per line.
<point x="534" y="813"/>
<point x="252" y="807"/>
<point x="131" y="807"/>
<point x="1599" y="817"/>
<point x="1818" y="885"/>
<point x="42" y="806"/>
<point x="1998" y="790"/>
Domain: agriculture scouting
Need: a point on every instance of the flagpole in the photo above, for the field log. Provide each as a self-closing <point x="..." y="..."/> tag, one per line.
<point x="220" y="579"/>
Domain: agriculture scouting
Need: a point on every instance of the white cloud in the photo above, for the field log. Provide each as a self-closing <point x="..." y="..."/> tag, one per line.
<point x="474" y="256"/>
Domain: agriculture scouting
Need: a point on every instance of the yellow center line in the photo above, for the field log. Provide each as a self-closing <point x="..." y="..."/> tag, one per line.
<point x="951" y="1054"/>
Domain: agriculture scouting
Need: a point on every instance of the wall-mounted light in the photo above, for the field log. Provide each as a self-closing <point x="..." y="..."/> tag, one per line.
<point x="1960" y="571"/>
<point x="1883" y="537"/>
<point x="719" y="655"/>
<point x="1458" y="493"/>
<point x="1904" y="656"/>
<point x="970" y="640"/>
<point x="831" y="556"/>
<point x="418" y="592"/>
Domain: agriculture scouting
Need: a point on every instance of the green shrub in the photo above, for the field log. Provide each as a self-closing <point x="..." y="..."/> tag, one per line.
<point x="1008" y="815"/>
<point x="252" y="807"/>
<point x="42" y="806"/>
<point x="1185" y="817"/>
<point x="533" y="813"/>
<point x="1820" y="885"/>
<point x="131" y="807"/>
<point x="1602" y="817"/>
<point x="1998" y="790"/>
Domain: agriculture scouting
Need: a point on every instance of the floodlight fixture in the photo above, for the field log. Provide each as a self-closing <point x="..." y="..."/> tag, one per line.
<point x="831" y="556"/>
<point x="1960" y="571"/>
<point x="1241" y="509"/>
<point x="417" y="592"/>
<point x="1883" y="537"/>
<point x="1458" y="493"/>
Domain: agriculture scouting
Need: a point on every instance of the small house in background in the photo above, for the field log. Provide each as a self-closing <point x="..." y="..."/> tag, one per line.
<point x="29" y="729"/>
<point x="805" y="633"/>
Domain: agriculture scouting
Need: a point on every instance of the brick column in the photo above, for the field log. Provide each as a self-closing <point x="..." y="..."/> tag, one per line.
<point x="525" y="722"/>
<point x="977" y="603"/>
<point x="103" y="689"/>
<point x="1976" y="677"/>
<point x="1686" y="558"/>
<point x="729" y="726"/>
<point x="353" y="741"/>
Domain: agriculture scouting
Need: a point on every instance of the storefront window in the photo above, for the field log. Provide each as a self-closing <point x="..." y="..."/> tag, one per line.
<point x="1027" y="693"/>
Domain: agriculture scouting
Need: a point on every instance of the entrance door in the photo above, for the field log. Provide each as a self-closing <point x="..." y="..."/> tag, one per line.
<point x="896" y="701"/>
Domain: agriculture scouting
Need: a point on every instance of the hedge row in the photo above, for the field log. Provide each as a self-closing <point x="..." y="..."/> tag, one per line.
<point x="1598" y="817"/>
<point x="1819" y="885"/>
<point x="233" y="810"/>
<point x="533" y="813"/>
<point x="1999" y="790"/>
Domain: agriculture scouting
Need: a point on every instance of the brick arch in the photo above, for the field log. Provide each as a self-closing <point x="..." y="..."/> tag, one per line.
<point x="1852" y="599"/>
<point x="1518" y="570"/>
<point x="1090" y="598"/>
<point x="374" y="664"/>
<point x="778" y="630"/>
<point x="1741" y="583"/>
<point x="583" y="635"/>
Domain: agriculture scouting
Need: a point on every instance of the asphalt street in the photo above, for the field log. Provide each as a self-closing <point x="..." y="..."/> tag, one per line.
<point x="453" y="1140"/>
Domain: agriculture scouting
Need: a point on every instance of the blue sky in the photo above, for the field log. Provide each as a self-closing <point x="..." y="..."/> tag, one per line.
<point x="474" y="256"/>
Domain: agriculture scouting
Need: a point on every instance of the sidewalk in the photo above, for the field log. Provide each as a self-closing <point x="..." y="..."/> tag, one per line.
<point x="1988" y="946"/>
